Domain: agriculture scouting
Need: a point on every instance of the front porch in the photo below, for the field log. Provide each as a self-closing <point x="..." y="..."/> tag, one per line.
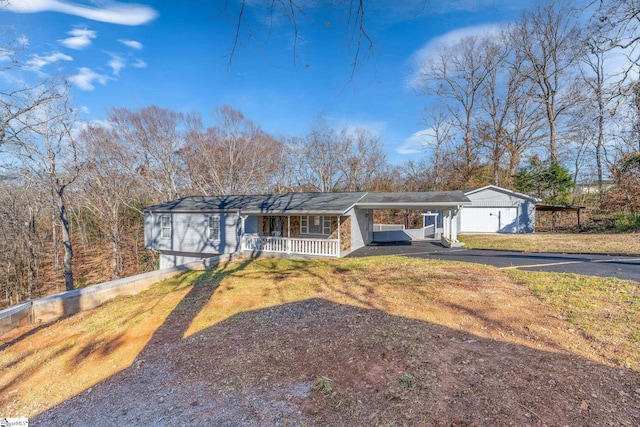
<point x="299" y="235"/>
<point x="291" y="246"/>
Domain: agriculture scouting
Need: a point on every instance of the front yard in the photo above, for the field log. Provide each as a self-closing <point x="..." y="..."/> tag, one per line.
<point x="376" y="341"/>
<point x="604" y="243"/>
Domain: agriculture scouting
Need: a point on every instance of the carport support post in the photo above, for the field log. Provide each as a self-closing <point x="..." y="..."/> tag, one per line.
<point x="446" y="224"/>
<point x="453" y="227"/>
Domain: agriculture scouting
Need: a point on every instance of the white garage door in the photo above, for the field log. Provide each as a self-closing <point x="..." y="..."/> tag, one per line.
<point x="488" y="220"/>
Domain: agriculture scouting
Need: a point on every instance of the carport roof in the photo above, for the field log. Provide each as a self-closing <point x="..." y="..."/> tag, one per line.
<point x="312" y="203"/>
<point x="414" y="200"/>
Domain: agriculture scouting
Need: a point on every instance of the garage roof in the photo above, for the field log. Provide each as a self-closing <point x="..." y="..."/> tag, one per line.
<point x="502" y="190"/>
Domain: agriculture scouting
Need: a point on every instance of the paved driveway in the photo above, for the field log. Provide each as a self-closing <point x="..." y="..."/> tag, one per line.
<point x="627" y="268"/>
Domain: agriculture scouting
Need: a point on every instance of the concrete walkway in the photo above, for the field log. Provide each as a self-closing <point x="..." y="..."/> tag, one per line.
<point x="622" y="267"/>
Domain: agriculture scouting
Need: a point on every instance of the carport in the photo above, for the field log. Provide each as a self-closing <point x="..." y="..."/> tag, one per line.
<point x="448" y="203"/>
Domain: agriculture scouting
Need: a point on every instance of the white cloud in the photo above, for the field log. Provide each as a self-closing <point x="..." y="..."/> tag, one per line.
<point x="86" y="78"/>
<point x="139" y="63"/>
<point x="6" y="55"/>
<point x="81" y="125"/>
<point x="422" y="57"/>
<point x="80" y="38"/>
<point x="37" y="62"/>
<point x="23" y="41"/>
<point x="116" y="63"/>
<point x="133" y="44"/>
<point x="374" y="128"/>
<point x="113" y="12"/>
<point x="416" y="142"/>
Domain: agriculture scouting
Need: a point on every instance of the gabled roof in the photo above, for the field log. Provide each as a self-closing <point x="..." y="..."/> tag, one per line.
<point x="289" y="203"/>
<point x="312" y="203"/>
<point x="502" y="190"/>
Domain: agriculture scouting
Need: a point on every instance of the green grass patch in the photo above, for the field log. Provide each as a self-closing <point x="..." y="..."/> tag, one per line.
<point x="606" y="310"/>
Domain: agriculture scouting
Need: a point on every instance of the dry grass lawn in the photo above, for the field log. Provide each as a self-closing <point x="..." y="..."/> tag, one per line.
<point x="592" y="321"/>
<point x="556" y="242"/>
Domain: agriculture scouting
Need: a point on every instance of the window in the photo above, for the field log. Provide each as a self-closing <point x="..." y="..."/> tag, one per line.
<point x="165" y="224"/>
<point x="213" y="227"/>
<point x="315" y="224"/>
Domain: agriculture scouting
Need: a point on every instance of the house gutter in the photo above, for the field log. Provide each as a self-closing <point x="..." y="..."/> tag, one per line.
<point x="411" y="205"/>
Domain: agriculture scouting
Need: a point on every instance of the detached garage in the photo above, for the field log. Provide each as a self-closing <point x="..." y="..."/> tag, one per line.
<point x="497" y="210"/>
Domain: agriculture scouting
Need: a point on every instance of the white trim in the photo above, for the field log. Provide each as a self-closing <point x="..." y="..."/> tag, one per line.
<point x="326" y="231"/>
<point x="208" y="227"/>
<point x="315" y="247"/>
<point x="502" y="190"/>
<point x="163" y="228"/>
<point x="413" y="205"/>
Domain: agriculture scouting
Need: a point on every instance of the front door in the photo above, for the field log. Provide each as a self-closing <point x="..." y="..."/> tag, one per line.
<point x="275" y="226"/>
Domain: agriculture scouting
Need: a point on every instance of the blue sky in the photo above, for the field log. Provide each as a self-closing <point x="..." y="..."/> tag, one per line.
<point x="175" y="54"/>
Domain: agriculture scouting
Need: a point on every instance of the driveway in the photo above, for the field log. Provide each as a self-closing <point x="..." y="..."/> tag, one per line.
<point x="622" y="267"/>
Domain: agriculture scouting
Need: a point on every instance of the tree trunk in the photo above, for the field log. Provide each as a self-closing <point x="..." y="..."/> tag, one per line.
<point x="600" y="145"/>
<point x="67" y="266"/>
<point x="116" y="255"/>
<point x="553" y="134"/>
<point x="32" y="255"/>
<point x="468" y="152"/>
<point x="54" y="241"/>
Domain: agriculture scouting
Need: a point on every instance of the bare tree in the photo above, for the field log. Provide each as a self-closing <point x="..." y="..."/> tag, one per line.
<point x="235" y="157"/>
<point x="415" y="175"/>
<point x="107" y="187"/>
<point x="153" y="138"/>
<point x="363" y="162"/>
<point x="20" y="243"/>
<point x="508" y="122"/>
<point x="549" y="41"/>
<point x="598" y="99"/>
<point x="617" y="22"/>
<point x="456" y="75"/>
<point x="23" y="95"/>
<point x="438" y="144"/>
<point x="319" y="161"/>
<point x="46" y="147"/>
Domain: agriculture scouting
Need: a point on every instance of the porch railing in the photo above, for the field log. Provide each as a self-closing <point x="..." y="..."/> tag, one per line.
<point x="317" y="247"/>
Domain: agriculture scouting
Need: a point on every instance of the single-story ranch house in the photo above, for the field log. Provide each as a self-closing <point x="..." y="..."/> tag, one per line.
<point x="324" y="224"/>
<point x="304" y="224"/>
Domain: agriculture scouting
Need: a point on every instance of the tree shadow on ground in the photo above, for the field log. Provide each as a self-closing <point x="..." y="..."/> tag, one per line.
<point x="316" y="362"/>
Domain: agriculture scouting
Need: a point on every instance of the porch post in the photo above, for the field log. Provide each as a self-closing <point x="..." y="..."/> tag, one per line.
<point x="288" y="234"/>
<point x="339" y="246"/>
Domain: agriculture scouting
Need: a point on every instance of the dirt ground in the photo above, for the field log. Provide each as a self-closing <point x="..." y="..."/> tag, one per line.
<point x="480" y="350"/>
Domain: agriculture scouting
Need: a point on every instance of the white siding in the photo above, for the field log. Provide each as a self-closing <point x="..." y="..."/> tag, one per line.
<point x="189" y="233"/>
<point x="361" y="227"/>
<point x="496" y="210"/>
